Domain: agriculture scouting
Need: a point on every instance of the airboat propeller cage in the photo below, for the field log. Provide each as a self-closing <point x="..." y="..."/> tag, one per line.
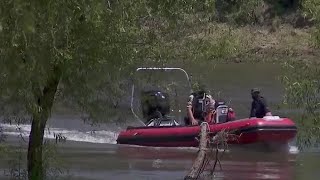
<point x="160" y="99"/>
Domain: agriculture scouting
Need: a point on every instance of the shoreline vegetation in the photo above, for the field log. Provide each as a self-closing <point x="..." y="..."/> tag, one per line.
<point x="60" y="52"/>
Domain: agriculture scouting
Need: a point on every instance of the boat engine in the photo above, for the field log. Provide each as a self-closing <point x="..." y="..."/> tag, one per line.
<point x="155" y="108"/>
<point x="155" y="104"/>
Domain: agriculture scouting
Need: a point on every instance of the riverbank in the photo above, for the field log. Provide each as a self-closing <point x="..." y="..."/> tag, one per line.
<point x="256" y="44"/>
<point x="241" y="45"/>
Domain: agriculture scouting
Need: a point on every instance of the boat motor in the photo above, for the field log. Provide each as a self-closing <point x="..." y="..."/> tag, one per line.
<point x="155" y="104"/>
<point x="156" y="108"/>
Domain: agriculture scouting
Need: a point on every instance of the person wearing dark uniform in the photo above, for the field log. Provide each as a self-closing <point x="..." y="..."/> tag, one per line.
<point x="259" y="106"/>
<point x="200" y="108"/>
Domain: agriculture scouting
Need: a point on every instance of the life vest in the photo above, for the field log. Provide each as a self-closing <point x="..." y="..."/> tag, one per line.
<point x="210" y="118"/>
<point x="221" y="114"/>
<point x="224" y="112"/>
<point x="199" y="102"/>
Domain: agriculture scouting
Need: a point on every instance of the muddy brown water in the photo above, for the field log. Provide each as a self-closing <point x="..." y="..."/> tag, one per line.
<point x="91" y="153"/>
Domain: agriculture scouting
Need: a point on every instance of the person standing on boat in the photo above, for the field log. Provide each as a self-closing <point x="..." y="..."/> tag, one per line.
<point x="259" y="107"/>
<point x="200" y="108"/>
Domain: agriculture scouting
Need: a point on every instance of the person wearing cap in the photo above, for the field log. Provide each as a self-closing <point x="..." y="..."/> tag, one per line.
<point x="259" y="106"/>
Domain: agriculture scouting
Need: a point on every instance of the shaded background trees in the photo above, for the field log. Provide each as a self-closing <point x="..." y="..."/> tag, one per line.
<point x="82" y="52"/>
<point x="81" y="49"/>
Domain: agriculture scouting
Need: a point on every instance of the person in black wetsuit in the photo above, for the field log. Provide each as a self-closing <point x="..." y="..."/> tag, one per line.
<point x="259" y="107"/>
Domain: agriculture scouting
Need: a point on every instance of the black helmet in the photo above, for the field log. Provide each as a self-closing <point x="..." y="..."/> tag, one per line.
<point x="200" y="94"/>
<point x="255" y="93"/>
<point x="154" y="104"/>
<point x="255" y="90"/>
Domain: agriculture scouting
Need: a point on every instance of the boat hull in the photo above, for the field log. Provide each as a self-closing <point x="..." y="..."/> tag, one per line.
<point x="246" y="131"/>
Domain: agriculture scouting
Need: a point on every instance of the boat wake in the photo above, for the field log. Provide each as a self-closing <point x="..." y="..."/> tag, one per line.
<point x="101" y="136"/>
<point x="293" y="149"/>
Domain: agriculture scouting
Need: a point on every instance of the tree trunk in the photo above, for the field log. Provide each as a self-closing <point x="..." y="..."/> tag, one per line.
<point x="44" y="101"/>
<point x="200" y="160"/>
<point x="35" y="168"/>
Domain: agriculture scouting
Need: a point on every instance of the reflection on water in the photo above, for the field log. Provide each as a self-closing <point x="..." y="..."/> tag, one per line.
<point x="134" y="162"/>
<point x="89" y="161"/>
<point x="235" y="165"/>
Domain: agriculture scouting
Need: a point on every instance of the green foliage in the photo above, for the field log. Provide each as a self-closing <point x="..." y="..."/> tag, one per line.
<point x="2" y="136"/>
<point x="15" y="156"/>
<point x="239" y="11"/>
<point x="262" y="12"/>
<point x="174" y="10"/>
<point x="84" y="49"/>
<point x="315" y="36"/>
<point x="73" y="36"/>
<point x="2" y="146"/>
<point x="53" y="164"/>
<point x="16" y="159"/>
<point x="303" y="85"/>
<point x="311" y="9"/>
<point x="248" y="11"/>
<point x="94" y="44"/>
<point x="223" y="47"/>
<point x="303" y="92"/>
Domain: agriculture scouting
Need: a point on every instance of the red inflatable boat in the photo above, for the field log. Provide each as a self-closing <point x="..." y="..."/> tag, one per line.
<point x="166" y="132"/>
<point x="250" y="131"/>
